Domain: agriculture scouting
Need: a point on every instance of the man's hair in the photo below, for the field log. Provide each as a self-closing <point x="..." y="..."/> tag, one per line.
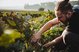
<point x="63" y="6"/>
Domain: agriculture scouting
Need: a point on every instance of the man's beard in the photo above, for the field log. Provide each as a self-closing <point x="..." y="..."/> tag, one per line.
<point x="65" y="23"/>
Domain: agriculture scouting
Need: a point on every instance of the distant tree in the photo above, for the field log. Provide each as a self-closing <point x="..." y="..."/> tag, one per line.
<point x="41" y="9"/>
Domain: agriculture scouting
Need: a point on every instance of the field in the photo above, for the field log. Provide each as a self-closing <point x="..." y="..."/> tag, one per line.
<point x="17" y="27"/>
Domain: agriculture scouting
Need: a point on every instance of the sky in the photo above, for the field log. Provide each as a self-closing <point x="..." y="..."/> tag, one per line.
<point x="20" y="3"/>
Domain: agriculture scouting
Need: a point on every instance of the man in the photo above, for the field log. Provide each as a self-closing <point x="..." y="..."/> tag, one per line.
<point x="70" y="36"/>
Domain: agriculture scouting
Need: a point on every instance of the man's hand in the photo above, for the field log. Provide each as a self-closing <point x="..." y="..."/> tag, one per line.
<point x="47" y="45"/>
<point x="36" y="37"/>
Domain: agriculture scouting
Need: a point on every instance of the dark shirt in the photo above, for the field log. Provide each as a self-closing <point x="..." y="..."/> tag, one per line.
<point x="73" y="23"/>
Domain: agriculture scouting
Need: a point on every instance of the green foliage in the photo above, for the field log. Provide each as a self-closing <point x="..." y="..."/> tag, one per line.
<point x="9" y="36"/>
<point x="16" y="31"/>
<point x="12" y="23"/>
<point x="51" y="34"/>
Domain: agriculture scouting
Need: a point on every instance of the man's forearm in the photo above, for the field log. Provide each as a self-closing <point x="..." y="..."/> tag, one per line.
<point x="47" y="26"/>
<point x="57" y="40"/>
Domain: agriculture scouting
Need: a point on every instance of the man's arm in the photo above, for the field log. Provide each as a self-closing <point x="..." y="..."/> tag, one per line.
<point x="54" y="42"/>
<point x="47" y="26"/>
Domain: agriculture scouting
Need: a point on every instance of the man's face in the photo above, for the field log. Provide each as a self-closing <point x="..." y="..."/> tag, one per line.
<point x="62" y="16"/>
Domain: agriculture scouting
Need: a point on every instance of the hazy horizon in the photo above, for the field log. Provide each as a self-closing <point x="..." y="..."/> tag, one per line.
<point x="19" y="4"/>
